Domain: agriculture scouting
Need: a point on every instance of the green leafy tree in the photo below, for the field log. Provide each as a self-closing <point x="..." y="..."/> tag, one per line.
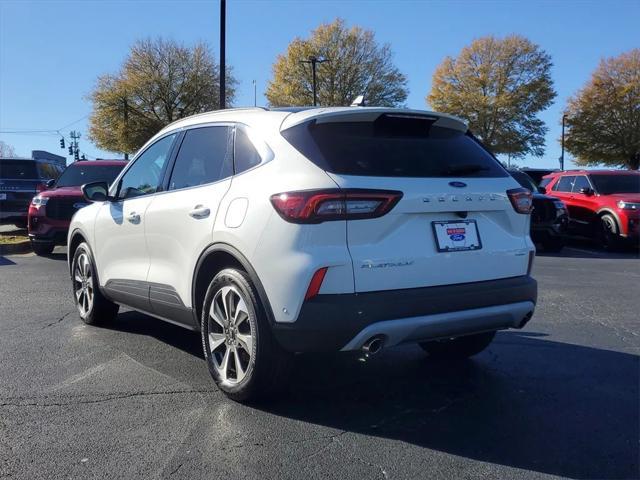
<point x="499" y="86"/>
<point x="603" y="119"/>
<point x="357" y="65"/>
<point x="160" y="81"/>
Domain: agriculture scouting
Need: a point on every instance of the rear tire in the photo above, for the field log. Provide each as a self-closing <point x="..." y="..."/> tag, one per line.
<point x="42" y="249"/>
<point x="93" y="307"/>
<point x="242" y="355"/>
<point x="458" y="348"/>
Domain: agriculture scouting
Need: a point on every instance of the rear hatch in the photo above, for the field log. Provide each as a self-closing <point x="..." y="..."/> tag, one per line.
<point x="454" y="223"/>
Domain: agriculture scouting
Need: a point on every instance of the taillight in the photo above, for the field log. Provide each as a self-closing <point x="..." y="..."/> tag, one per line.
<point x="521" y="199"/>
<point x="316" y="206"/>
<point x="316" y="283"/>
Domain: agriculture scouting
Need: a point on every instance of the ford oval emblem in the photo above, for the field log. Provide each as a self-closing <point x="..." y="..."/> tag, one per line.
<point x="458" y="184"/>
<point x="457" y="237"/>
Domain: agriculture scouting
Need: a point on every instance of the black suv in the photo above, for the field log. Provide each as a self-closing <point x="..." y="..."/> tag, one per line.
<point x="549" y="219"/>
<point x="20" y="180"/>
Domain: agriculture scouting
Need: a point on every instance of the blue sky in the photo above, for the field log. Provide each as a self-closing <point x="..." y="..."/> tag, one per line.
<point x="52" y="51"/>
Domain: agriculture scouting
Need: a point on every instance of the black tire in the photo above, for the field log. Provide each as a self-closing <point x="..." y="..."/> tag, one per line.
<point x="41" y="248"/>
<point x="553" y="245"/>
<point x="608" y="232"/>
<point x="93" y="307"/>
<point x="262" y="373"/>
<point x="458" y="348"/>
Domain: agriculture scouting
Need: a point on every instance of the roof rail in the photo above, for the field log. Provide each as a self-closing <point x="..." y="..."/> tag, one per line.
<point x="263" y="109"/>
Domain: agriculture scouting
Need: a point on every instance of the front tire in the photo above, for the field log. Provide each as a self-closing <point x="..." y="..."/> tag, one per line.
<point x="243" y="358"/>
<point x="93" y="307"/>
<point x="607" y="232"/>
<point x="458" y="348"/>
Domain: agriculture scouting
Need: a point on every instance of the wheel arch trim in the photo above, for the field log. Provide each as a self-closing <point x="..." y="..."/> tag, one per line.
<point x="246" y="265"/>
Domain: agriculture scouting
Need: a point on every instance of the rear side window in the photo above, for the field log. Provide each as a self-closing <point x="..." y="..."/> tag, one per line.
<point x="205" y="156"/>
<point x="545" y="181"/>
<point x="393" y="146"/>
<point x="18" y="169"/>
<point x="47" y="170"/>
<point x="565" y="184"/>
<point x="246" y="156"/>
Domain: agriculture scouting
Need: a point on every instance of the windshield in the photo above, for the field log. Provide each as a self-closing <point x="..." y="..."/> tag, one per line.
<point x="393" y="146"/>
<point x="18" y="169"/>
<point x="608" y="184"/>
<point x="76" y="175"/>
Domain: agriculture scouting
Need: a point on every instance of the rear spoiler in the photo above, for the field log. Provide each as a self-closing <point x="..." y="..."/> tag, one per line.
<point x="368" y="114"/>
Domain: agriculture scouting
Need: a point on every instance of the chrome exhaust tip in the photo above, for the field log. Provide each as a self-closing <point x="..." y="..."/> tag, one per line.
<point x="373" y="345"/>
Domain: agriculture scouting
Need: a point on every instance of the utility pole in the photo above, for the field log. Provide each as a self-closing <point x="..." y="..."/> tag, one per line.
<point x="313" y="61"/>
<point x="223" y="28"/>
<point x="564" y="117"/>
<point x="126" y="124"/>
<point x="73" y="148"/>
<point x="255" y="94"/>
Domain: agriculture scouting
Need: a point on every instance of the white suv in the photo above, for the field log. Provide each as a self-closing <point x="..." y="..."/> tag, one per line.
<point x="295" y="230"/>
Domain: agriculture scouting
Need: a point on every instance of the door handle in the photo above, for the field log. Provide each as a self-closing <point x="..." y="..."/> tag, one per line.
<point x="133" y="217"/>
<point x="200" y="211"/>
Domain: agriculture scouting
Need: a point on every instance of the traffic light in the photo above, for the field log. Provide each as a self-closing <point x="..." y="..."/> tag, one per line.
<point x="62" y="142"/>
<point x="70" y="150"/>
<point x="83" y="157"/>
<point x="75" y="155"/>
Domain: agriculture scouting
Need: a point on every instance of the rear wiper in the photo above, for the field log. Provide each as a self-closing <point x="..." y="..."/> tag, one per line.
<point x="464" y="169"/>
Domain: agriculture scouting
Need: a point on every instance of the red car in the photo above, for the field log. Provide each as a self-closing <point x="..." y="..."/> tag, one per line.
<point x="603" y="204"/>
<point x="50" y="211"/>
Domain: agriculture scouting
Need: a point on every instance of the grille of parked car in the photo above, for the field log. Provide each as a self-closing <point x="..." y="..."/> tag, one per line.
<point x="61" y="208"/>
<point x="544" y="210"/>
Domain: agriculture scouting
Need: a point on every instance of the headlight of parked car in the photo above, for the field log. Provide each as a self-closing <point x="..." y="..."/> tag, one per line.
<point x="39" y="201"/>
<point x="628" y="205"/>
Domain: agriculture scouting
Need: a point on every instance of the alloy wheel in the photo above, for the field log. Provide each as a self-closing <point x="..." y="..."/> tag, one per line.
<point x="83" y="284"/>
<point x="231" y="335"/>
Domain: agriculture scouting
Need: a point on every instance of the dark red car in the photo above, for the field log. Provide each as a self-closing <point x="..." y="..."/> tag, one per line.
<point x="603" y="204"/>
<point x="50" y="211"/>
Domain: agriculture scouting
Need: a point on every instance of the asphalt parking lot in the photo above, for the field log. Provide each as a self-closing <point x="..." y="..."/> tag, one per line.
<point x="559" y="398"/>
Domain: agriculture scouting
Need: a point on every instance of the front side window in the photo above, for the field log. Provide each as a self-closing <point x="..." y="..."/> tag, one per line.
<point x="580" y="183"/>
<point x="205" y="156"/>
<point x="144" y="175"/>
<point x="565" y="184"/>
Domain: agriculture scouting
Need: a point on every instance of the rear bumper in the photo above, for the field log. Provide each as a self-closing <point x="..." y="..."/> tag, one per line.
<point x="345" y="322"/>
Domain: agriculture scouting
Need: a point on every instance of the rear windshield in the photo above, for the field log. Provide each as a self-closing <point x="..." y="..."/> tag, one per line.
<point x="608" y="184"/>
<point x="393" y="146"/>
<point x="18" y="169"/>
<point x="76" y="175"/>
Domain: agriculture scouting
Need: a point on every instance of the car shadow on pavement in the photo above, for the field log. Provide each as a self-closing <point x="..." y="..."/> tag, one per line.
<point x="581" y="248"/>
<point x="527" y="403"/>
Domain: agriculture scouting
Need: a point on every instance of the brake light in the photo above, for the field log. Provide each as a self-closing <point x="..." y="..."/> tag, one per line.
<point x="316" y="283"/>
<point x="521" y="199"/>
<point x="316" y="206"/>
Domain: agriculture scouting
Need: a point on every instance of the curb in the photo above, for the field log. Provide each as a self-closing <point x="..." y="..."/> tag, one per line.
<point x="15" y="248"/>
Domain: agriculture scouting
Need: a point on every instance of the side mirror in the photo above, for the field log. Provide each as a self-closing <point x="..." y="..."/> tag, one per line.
<point x="96" y="191"/>
<point x="587" y="191"/>
<point x="542" y="190"/>
<point x="50" y="183"/>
